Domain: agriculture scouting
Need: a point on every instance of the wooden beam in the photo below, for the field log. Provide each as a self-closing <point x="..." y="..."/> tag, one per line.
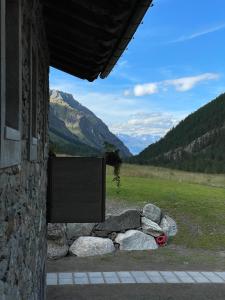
<point x="75" y="71"/>
<point x="69" y="32"/>
<point x="76" y="54"/>
<point x="90" y="68"/>
<point x="90" y="21"/>
<point x="68" y="43"/>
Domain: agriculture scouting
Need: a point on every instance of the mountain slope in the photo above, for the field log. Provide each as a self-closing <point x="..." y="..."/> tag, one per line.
<point x="197" y="143"/>
<point x="63" y="141"/>
<point x="79" y="124"/>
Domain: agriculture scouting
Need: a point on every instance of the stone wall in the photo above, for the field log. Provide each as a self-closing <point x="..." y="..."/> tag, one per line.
<point x="23" y="187"/>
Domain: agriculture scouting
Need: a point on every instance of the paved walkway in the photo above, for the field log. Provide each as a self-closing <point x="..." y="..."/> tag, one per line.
<point x="135" y="277"/>
<point x="166" y="274"/>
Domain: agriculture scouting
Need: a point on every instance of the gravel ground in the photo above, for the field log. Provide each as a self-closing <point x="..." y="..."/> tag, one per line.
<point x="114" y="207"/>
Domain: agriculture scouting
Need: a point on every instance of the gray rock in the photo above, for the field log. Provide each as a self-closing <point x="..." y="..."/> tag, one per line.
<point x="129" y="219"/>
<point x="101" y="233"/>
<point x="168" y="226"/>
<point x="56" y="250"/>
<point x="150" y="227"/>
<point x="56" y="231"/>
<point x="152" y="212"/>
<point x="135" y="240"/>
<point x="113" y="236"/>
<point x="57" y="241"/>
<point x="75" y="230"/>
<point x="90" y="246"/>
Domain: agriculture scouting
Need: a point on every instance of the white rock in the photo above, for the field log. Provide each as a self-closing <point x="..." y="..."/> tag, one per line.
<point x="56" y="250"/>
<point x="150" y="227"/>
<point x="168" y="226"/>
<point x="90" y="246"/>
<point x="152" y="212"/>
<point x="75" y="230"/>
<point x="135" y="240"/>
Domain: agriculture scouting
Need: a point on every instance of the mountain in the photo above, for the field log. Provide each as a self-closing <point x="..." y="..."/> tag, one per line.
<point x="136" y="143"/>
<point x="63" y="141"/>
<point x="196" y="144"/>
<point x="76" y="129"/>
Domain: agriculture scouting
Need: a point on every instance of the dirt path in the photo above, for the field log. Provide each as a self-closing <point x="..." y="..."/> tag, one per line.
<point x="167" y="258"/>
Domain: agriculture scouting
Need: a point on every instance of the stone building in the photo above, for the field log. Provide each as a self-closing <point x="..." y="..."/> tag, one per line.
<point x="84" y="38"/>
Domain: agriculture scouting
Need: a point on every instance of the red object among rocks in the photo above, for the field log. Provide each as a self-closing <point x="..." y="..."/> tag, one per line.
<point x="161" y="240"/>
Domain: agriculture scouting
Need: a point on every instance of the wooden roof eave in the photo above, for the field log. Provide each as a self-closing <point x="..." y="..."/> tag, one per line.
<point x="135" y="21"/>
<point x="88" y="37"/>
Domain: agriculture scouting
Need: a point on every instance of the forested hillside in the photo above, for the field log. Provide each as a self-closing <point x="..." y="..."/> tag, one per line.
<point x="197" y="143"/>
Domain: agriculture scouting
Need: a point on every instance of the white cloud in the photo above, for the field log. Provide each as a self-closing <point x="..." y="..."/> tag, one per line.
<point x="182" y="84"/>
<point x="108" y="106"/>
<point x="157" y="123"/>
<point x="187" y="83"/>
<point x="198" y="34"/>
<point x="143" y="89"/>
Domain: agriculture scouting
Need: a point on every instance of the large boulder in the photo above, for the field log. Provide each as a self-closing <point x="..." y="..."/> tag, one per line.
<point x="90" y="246"/>
<point x="168" y="226"/>
<point x="57" y="241"/>
<point x="135" y="240"/>
<point x="129" y="219"/>
<point x="75" y="230"/>
<point x="152" y="212"/>
<point x="150" y="227"/>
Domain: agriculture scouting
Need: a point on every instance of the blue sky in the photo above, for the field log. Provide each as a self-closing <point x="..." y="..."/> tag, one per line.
<point x="174" y="65"/>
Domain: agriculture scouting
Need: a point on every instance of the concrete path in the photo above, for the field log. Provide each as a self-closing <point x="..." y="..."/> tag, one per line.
<point x="166" y="274"/>
<point x="135" y="277"/>
<point x="136" y="285"/>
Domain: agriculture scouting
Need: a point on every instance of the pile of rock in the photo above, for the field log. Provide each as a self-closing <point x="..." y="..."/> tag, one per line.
<point x="131" y="230"/>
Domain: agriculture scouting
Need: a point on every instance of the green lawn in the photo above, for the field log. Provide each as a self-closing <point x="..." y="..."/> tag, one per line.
<point x="195" y="201"/>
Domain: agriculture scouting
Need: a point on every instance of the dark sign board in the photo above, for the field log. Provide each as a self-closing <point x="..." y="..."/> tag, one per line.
<point x="76" y="190"/>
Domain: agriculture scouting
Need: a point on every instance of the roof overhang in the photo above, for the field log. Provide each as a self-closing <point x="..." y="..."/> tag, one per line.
<point x="87" y="37"/>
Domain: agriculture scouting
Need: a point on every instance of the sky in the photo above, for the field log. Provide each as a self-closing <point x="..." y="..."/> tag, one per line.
<point x="173" y="66"/>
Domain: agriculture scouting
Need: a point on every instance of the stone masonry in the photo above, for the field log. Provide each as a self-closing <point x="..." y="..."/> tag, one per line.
<point x="23" y="186"/>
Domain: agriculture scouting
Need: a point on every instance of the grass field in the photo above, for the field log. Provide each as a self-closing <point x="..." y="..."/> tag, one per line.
<point x="195" y="201"/>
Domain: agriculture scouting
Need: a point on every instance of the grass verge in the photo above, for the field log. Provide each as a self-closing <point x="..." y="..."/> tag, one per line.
<point x="195" y="201"/>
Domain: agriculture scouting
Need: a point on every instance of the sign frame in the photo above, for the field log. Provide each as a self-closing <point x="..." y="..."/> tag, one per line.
<point x="76" y="190"/>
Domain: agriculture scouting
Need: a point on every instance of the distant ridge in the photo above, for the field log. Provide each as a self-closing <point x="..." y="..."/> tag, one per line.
<point x="75" y="130"/>
<point x="136" y="143"/>
<point x="196" y="144"/>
